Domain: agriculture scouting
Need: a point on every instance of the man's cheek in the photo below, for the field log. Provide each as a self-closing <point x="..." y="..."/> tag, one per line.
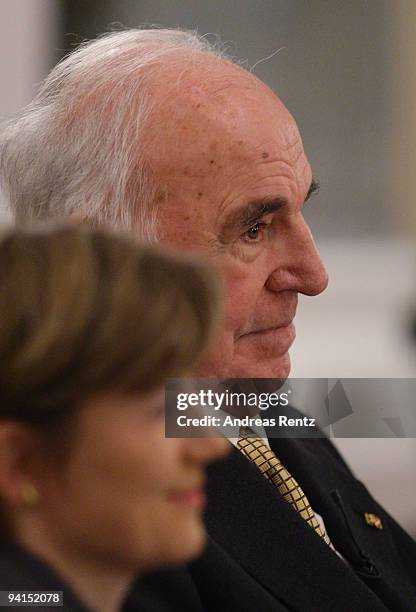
<point x="219" y="357"/>
<point x="239" y="312"/>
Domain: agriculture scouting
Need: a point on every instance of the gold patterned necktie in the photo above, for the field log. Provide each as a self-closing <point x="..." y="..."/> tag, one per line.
<point x="272" y="469"/>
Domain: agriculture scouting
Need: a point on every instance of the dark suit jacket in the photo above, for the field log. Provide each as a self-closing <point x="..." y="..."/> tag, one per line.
<point x="21" y="571"/>
<point x="262" y="557"/>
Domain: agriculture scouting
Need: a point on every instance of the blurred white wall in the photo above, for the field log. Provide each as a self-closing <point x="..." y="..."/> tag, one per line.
<point x="402" y="79"/>
<point x="29" y="36"/>
<point x="358" y="328"/>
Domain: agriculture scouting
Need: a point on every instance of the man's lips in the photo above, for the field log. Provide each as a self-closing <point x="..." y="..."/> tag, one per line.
<point x="269" y="328"/>
<point x="273" y="340"/>
<point x="272" y="328"/>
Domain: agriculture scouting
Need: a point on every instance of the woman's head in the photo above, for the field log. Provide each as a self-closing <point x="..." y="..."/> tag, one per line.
<point x="90" y="326"/>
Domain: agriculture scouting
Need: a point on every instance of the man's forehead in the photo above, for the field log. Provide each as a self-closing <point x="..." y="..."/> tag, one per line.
<point x="231" y="111"/>
<point x="232" y="99"/>
<point x="222" y="133"/>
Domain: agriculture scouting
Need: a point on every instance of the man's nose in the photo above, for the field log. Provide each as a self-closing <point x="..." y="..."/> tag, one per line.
<point x="205" y="450"/>
<point x="311" y="270"/>
<point x="301" y="268"/>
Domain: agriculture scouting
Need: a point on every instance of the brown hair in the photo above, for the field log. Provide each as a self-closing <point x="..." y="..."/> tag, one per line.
<point x="85" y="310"/>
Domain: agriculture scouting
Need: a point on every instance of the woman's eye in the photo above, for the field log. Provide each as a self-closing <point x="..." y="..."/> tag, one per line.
<point x="158" y="412"/>
<point x="154" y="412"/>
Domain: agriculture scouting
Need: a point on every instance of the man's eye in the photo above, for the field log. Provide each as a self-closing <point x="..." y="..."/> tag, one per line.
<point x="254" y="234"/>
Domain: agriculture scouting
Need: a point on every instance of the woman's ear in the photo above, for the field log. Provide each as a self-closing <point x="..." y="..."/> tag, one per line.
<point x="17" y="454"/>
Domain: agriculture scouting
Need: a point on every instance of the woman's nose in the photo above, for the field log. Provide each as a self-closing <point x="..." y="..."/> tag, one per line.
<point x="205" y="450"/>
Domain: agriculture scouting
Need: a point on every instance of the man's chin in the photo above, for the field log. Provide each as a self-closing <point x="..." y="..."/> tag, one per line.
<point x="245" y="367"/>
<point x="269" y="368"/>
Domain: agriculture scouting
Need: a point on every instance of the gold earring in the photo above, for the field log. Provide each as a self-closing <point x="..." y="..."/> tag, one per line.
<point x="29" y="495"/>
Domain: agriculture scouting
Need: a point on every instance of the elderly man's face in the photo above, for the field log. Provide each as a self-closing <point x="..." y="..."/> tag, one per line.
<point x="234" y="179"/>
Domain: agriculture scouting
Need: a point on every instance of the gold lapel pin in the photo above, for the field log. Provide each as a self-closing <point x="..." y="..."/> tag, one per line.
<point x="373" y="520"/>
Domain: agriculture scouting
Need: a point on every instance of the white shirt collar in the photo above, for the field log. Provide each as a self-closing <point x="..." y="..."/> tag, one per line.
<point x="234" y="431"/>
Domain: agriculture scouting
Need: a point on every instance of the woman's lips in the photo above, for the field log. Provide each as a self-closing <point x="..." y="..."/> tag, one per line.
<point x="194" y="498"/>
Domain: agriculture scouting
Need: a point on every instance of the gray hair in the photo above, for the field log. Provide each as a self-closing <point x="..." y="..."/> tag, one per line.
<point x="77" y="148"/>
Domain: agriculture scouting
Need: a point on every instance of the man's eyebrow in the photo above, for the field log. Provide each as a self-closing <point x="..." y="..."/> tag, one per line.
<point x="314" y="188"/>
<point x="244" y="217"/>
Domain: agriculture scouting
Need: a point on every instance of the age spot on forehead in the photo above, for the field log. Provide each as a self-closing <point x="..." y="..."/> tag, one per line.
<point x="265" y="155"/>
<point x="162" y="195"/>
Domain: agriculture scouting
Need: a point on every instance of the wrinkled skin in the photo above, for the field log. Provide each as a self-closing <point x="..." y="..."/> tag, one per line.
<point x="216" y="148"/>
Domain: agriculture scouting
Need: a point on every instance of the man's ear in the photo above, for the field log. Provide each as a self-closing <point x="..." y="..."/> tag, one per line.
<point x="17" y="451"/>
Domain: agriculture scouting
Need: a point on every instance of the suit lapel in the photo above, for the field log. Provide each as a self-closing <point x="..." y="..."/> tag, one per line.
<point x="343" y="501"/>
<point x="241" y="504"/>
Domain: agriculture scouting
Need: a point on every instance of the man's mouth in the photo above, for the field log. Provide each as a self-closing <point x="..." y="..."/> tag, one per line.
<point x="270" y="328"/>
<point x="273" y="328"/>
<point x="276" y="340"/>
